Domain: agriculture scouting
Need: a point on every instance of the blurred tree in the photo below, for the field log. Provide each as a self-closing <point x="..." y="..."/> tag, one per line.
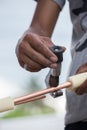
<point x="33" y="108"/>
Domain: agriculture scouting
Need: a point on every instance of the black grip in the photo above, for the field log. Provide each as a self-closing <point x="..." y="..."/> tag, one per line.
<point x="58" y="51"/>
<point x="54" y="80"/>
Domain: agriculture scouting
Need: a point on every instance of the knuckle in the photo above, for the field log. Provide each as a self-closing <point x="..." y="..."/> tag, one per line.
<point x="20" y="63"/>
<point x="48" y="39"/>
<point x="46" y="63"/>
<point x="22" y="46"/>
<point x="34" y="67"/>
<point x="26" y="37"/>
<point x="40" y="47"/>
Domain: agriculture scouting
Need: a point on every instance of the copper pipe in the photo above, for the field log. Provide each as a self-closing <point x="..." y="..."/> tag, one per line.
<point x="30" y="100"/>
<point x="41" y="92"/>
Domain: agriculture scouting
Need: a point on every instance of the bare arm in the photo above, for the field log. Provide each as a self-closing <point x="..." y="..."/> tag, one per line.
<point x="45" y="17"/>
<point x="33" y="47"/>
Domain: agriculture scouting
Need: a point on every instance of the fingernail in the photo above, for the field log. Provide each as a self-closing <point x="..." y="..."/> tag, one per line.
<point x="54" y="59"/>
<point x="54" y="66"/>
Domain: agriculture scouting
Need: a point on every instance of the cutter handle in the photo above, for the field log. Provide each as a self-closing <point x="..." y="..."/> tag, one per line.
<point x="58" y="51"/>
<point x="54" y="76"/>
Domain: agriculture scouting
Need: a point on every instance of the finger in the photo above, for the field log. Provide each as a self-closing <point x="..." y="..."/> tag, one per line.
<point x="49" y="43"/>
<point x="64" y="49"/>
<point x="30" y="65"/>
<point x="82" y="89"/>
<point x="79" y="91"/>
<point x="82" y="68"/>
<point x="41" y="47"/>
<point x="35" y="56"/>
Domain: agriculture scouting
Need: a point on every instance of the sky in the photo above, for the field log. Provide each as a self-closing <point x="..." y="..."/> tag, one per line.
<point x="15" y="18"/>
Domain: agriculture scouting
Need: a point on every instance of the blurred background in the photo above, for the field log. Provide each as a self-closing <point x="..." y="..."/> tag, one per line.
<point x="15" y="18"/>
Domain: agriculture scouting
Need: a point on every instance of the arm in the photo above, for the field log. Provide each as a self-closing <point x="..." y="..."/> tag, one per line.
<point x="33" y="47"/>
<point x="45" y="17"/>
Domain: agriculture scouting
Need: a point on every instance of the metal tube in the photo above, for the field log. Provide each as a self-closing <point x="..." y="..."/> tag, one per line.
<point x="29" y="100"/>
<point x="41" y="92"/>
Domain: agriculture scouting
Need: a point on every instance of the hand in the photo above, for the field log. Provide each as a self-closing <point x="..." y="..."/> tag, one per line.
<point x="34" y="51"/>
<point x="83" y="88"/>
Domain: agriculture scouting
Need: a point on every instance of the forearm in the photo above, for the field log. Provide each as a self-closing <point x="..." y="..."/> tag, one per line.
<point x="33" y="48"/>
<point x="45" y="18"/>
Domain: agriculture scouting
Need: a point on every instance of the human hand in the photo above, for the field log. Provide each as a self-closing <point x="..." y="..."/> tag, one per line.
<point x="34" y="51"/>
<point x="83" y="88"/>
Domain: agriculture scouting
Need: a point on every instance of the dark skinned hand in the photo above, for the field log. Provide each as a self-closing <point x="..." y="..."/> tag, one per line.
<point x="34" y="51"/>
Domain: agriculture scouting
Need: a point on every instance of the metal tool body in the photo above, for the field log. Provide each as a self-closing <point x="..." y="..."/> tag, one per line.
<point x="55" y="73"/>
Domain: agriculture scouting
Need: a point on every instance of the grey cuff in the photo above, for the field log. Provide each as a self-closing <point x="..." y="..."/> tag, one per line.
<point x="60" y="3"/>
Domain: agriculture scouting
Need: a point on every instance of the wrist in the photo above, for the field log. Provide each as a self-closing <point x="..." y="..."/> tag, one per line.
<point x="39" y="29"/>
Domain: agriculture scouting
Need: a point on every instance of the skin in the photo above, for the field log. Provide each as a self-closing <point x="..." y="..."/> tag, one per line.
<point x="33" y="48"/>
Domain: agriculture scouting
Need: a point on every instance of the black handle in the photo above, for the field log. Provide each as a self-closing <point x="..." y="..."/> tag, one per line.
<point x="54" y="80"/>
<point x="58" y="51"/>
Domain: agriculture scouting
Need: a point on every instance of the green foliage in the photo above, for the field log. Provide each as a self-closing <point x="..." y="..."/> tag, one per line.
<point x="23" y="111"/>
<point x="33" y="108"/>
